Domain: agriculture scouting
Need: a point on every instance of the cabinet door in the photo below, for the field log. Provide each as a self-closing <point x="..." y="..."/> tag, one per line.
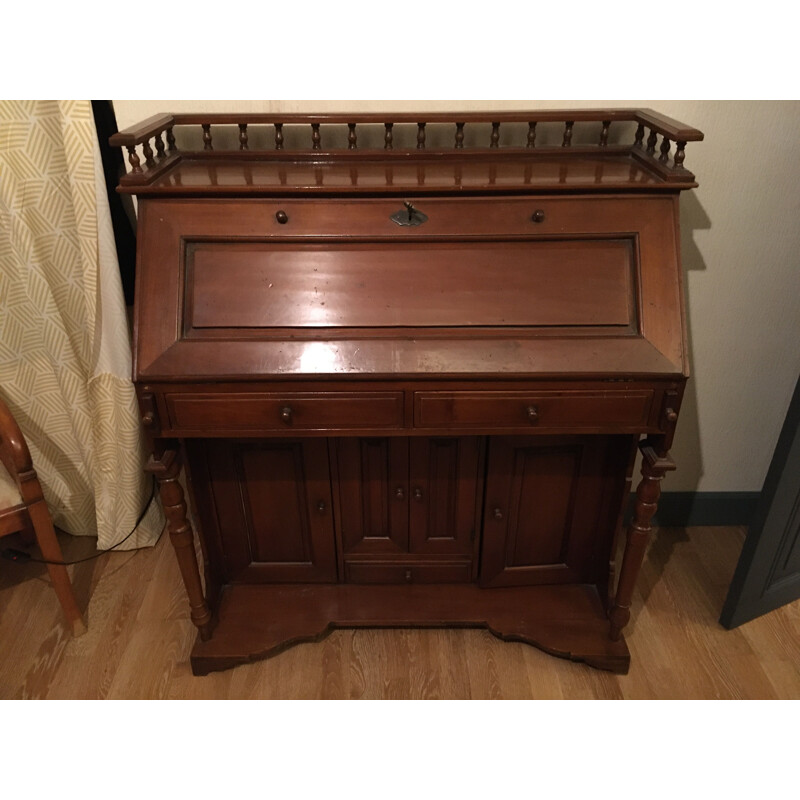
<point x="373" y="495"/>
<point x="271" y="509"/>
<point x="549" y="514"/>
<point x="443" y="495"/>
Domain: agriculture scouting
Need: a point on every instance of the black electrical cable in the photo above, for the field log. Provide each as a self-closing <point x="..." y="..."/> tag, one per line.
<point x="19" y="556"/>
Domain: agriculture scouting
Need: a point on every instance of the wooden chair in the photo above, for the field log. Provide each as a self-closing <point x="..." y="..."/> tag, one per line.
<point x="23" y="509"/>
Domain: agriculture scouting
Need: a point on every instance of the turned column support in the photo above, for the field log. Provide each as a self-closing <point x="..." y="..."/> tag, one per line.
<point x="655" y="464"/>
<point x="166" y="467"/>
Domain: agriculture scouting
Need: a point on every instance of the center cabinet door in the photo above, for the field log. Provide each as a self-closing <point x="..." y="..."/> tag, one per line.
<point x="401" y="497"/>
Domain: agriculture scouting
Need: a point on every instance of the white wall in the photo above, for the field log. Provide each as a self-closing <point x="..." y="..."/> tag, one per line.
<point x="741" y="256"/>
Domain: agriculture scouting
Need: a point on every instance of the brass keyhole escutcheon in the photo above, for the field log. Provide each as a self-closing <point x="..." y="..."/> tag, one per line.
<point x="409" y="217"/>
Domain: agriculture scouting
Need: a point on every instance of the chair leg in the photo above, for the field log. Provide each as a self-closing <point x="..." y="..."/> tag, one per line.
<point x="48" y="544"/>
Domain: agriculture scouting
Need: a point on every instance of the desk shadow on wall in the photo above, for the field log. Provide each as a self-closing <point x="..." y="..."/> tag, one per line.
<point x="675" y="507"/>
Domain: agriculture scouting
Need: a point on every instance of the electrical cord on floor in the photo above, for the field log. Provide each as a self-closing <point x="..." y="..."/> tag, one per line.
<point x="21" y="556"/>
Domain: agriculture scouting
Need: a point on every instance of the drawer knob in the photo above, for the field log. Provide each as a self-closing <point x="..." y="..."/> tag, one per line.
<point x="408" y="576"/>
<point x="399" y="493"/>
<point x="671" y="414"/>
<point x="538" y="215"/>
<point x="533" y="414"/>
<point x="286" y="414"/>
<point x="282" y="217"/>
<point x="418" y="493"/>
<point x="321" y="506"/>
<point x="149" y="419"/>
<point x="497" y="514"/>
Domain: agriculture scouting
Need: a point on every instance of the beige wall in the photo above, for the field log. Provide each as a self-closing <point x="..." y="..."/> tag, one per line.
<point x="741" y="257"/>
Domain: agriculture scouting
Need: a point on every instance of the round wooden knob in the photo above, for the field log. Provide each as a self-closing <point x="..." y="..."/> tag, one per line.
<point x="408" y="576"/>
<point x="533" y="414"/>
<point x="286" y="414"/>
<point x="148" y="419"/>
<point x="497" y="514"/>
<point x="399" y="493"/>
<point x="282" y="217"/>
<point x="321" y="506"/>
<point x="418" y="493"/>
<point x="671" y="414"/>
<point x="538" y="215"/>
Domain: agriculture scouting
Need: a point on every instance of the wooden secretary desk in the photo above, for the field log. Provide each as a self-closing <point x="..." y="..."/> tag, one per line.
<point x="407" y="361"/>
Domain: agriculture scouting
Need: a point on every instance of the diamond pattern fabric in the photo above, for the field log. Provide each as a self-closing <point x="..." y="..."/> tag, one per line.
<point x="65" y="363"/>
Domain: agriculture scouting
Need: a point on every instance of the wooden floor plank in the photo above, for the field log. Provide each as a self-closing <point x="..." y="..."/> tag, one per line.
<point x="139" y="639"/>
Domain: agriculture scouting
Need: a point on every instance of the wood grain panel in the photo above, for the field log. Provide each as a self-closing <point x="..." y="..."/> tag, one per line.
<point x="533" y="410"/>
<point x="274" y="519"/>
<point x="498" y="284"/>
<point x="444" y="480"/>
<point x="238" y="411"/>
<point x="373" y="495"/>
<point x="546" y="516"/>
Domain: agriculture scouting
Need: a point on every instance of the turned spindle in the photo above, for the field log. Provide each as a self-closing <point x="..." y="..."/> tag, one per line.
<point x="679" y="155"/>
<point x="531" y="135"/>
<point x="166" y="467"/>
<point x="654" y="467"/>
<point x="316" y="139"/>
<point x="420" y="136"/>
<point x="387" y="136"/>
<point x="279" y="136"/>
<point x="160" y="150"/>
<point x="639" y="138"/>
<point x="459" y="135"/>
<point x="207" y="138"/>
<point x="567" y="134"/>
<point x="171" y="140"/>
<point x="495" y="140"/>
<point x="243" y="145"/>
<point x="133" y="158"/>
<point x="664" y="157"/>
<point x="148" y="154"/>
<point x="651" y="142"/>
<point x="352" y="141"/>
<point x="604" y="133"/>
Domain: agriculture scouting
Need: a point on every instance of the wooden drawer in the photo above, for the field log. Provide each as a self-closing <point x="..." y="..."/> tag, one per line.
<point x="620" y="410"/>
<point x="408" y="572"/>
<point x="466" y="216"/>
<point x="271" y="412"/>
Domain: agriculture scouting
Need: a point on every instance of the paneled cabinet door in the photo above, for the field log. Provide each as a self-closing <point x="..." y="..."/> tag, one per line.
<point x="407" y="497"/>
<point x="269" y="507"/>
<point x="373" y="495"/>
<point x="550" y="509"/>
<point x="443" y="499"/>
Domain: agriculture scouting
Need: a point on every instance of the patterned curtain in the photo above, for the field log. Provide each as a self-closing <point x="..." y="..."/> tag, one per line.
<point x="65" y="361"/>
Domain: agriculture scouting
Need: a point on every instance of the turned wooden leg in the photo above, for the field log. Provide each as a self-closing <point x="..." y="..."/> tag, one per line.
<point x="45" y="534"/>
<point x="654" y="466"/>
<point x="166" y="469"/>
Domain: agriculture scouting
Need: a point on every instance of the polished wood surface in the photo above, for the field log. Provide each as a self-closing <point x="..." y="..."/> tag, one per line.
<point x="273" y="324"/>
<point x="381" y="285"/>
<point x="592" y="125"/>
<point x="255" y="325"/>
<point x="140" y="636"/>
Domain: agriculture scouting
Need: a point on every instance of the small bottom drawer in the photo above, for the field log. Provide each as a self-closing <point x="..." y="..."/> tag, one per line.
<point x="408" y="572"/>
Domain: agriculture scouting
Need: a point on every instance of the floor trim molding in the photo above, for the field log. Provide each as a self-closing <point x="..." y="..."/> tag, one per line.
<point x="684" y="509"/>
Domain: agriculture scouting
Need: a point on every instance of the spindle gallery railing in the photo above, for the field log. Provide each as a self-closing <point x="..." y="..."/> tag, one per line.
<point x="158" y="126"/>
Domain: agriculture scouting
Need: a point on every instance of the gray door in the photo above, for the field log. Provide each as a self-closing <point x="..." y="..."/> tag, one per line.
<point x="768" y="573"/>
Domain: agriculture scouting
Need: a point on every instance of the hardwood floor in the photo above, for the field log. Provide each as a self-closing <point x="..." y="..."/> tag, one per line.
<point x="139" y="638"/>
